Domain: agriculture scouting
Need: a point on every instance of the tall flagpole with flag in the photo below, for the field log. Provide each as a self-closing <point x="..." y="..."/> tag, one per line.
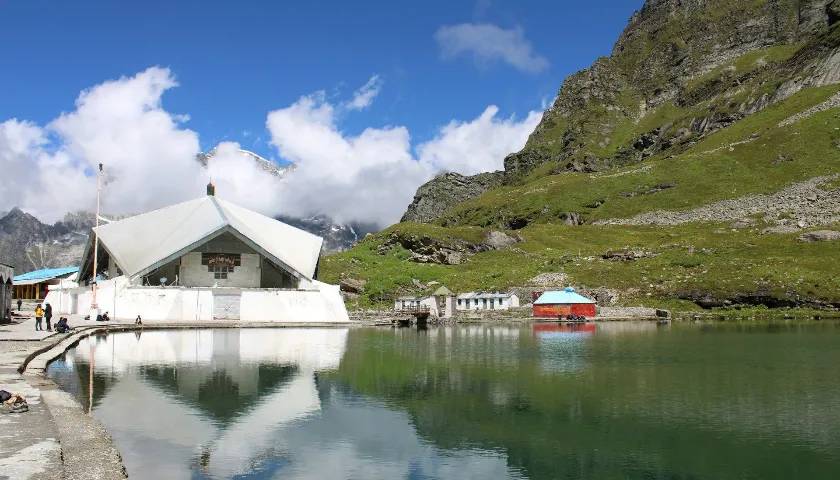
<point x="93" y="305"/>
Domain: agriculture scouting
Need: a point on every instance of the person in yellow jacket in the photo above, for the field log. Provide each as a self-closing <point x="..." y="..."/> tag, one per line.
<point x="39" y="317"/>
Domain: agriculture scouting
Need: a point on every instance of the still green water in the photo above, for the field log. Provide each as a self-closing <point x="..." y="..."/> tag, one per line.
<point x="615" y="400"/>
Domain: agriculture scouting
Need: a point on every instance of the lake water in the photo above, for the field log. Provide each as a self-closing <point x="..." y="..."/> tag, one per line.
<point x="616" y="400"/>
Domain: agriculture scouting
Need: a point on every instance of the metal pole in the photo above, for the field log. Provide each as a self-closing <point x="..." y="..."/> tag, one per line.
<point x="93" y="305"/>
<point x="90" y="377"/>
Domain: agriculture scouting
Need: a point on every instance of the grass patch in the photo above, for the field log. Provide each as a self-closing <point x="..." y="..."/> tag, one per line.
<point x="707" y="172"/>
<point x="686" y="259"/>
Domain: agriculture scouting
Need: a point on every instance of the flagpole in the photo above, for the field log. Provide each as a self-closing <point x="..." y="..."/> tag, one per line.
<point x="93" y="304"/>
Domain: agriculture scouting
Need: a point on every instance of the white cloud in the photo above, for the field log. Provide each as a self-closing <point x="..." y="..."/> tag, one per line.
<point x="34" y="178"/>
<point x="479" y="145"/>
<point x="149" y="157"/>
<point x="372" y="177"/>
<point x="240" y="179"/>
<point x="363" y="97"/>
<point x="487" y="43"/>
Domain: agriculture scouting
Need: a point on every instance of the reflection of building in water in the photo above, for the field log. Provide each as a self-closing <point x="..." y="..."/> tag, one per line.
<point x="303" y="425"/>
<point x="497" y="345"/>
<point x="563" y="348"/>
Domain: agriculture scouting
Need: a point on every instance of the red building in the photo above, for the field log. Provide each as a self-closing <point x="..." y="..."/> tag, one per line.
<point x="562" y="304"/>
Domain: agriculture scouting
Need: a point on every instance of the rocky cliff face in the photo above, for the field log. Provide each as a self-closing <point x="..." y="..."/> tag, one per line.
<point x="29" y="244"/>
<point x="681" y="70"/>
<point x="446" y="190"/>
<point x="337" y="237"/>
<point x="718" y="60"/>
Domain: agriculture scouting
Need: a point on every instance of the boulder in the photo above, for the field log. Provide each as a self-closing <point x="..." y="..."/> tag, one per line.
<point x="820" y="236"/>
<point x="352" y="285"/>
<point x="832" y="11"/>
<point x="743" y="223"/>
<point x="626" y="255"/>
<point x="499" y="240"/>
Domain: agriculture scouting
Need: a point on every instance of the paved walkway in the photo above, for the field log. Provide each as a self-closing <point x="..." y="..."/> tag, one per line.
<point x="29" y="442"/>
<point x="23" y="328"/>
<point x="55" y="438"/>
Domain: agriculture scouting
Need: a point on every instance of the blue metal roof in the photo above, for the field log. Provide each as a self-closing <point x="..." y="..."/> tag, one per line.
<point x="567" y="296"/>
<point x="45" y="274"/>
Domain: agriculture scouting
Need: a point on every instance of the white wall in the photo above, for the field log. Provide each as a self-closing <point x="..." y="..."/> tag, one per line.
<point x="194" y="274"/>
<point x="322" y="303"/>
<point x="469" y="304"/>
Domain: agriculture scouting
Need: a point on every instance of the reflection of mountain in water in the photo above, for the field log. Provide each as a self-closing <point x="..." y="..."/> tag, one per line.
<point x="480" y="401"/>
<point x="625" y="402"/>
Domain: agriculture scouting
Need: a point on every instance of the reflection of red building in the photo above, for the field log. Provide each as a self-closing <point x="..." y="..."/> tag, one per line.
<point x="563" y="304"/>
<point x="588" y="328"/>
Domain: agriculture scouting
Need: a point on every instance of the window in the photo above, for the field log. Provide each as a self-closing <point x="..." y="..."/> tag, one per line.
<point x="501" y="301"/>
<point x="459" y="302"/>
<point x="220" y="264"/>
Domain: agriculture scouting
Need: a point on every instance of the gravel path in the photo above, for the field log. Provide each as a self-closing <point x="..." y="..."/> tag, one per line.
<point x="803" y="204"/>
<point x="832" y="102"/>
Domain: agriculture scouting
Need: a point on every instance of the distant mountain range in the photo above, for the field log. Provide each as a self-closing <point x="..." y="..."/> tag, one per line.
<point x="30" y="244"/>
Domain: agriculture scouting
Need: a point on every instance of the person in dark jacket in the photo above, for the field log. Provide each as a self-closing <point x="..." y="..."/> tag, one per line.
<point x="61" y="325"/>
<point x="48" y="316"/>
<point x="20" y="302"/>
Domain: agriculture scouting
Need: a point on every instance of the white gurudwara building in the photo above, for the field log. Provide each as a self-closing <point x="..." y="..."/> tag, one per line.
<point x="204" y="259"/>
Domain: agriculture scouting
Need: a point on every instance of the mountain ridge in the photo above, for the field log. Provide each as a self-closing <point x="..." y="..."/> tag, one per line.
<point x="604" y="116"/>
<point x="696" y="166"/>
<point x="29" y="244"/>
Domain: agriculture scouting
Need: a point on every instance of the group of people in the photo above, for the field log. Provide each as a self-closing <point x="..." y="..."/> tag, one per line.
<point x="42" y="312"/>
<point x="45" y="312"/>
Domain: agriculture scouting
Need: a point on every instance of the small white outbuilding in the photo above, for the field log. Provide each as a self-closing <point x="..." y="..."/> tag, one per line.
<point x="486" y="301"/>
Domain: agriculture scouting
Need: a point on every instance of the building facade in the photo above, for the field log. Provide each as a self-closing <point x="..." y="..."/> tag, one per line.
<point x="561" y="304"/>
<point x="440" y="304"/>
<point x="205" y="259"/>
<point x="486" y="301"/>
<point x="36" y="284"/>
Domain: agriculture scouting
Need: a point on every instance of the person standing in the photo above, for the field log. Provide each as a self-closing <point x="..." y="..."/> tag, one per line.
<point x="48" y="316"/>
<point x="39" y="315"/>
<point x="20" y="302"/>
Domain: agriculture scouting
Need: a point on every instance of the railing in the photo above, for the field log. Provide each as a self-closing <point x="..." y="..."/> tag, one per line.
<point x="414" y="309"/>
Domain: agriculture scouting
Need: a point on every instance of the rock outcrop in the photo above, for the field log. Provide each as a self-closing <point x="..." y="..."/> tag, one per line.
<point x="446" y="190"/>
<point x="820" y="236"/>
<point x="29" y="244"/>
<point x="454" y="251"/>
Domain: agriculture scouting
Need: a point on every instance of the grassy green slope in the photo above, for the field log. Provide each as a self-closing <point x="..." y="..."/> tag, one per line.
<point x="690" y="260"/>
<point x="753" y="155"/>
<point x="706" y="172"/>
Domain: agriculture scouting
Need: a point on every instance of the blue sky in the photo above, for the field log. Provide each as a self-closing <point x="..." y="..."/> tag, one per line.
<point x="369" y="100"/>
<point x="235" y="61"/>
